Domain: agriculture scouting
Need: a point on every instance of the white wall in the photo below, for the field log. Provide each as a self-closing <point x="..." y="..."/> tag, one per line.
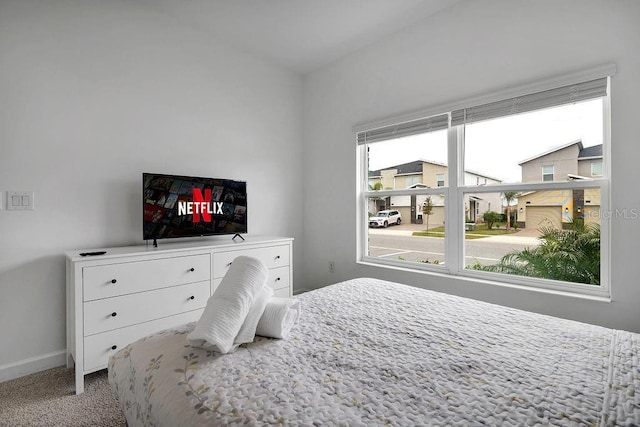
<point x="472" y="49"/>
<point x="92" y="94"/>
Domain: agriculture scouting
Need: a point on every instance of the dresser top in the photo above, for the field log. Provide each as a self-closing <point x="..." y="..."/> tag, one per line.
<point x="168" y="246"/>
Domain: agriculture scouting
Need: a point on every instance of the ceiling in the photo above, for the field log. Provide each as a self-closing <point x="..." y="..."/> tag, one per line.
<point x="301" y="35"/>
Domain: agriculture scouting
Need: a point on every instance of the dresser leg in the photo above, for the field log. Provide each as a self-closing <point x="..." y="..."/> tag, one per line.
<point x="79" y="382"/>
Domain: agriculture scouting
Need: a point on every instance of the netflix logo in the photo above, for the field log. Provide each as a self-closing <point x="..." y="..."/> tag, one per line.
<point x="201" y="207"/>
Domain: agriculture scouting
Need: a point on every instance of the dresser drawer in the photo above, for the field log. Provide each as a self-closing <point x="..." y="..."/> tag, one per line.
<point x="278" y="279"/>
<point x="282" y="293"/>
<point x="273" y="257"/>
<point x="104" y="281"/>
<point x="117" y="312"/>
<point x="98" y="348"/>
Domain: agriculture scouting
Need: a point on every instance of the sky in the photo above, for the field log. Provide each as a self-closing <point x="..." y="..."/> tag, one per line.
<point x="495" y="147"/>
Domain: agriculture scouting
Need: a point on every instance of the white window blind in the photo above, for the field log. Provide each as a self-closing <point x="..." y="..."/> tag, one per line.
<point x="549" y="98"/>
<point x="413" y="127"/>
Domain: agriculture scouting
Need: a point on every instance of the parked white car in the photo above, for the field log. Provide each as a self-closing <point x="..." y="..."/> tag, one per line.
<point x="385" y="218"/>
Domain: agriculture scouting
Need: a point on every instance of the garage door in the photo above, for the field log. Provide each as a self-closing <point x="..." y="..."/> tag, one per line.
<point x="543" y="216"/>
<point x="405" y="211"/>
<point x="436" y="219"/>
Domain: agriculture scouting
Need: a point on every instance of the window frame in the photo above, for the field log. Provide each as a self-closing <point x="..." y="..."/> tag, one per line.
<point x="414" y="178"/>
<point x="599" y="162"/>
<point x="363" y="231"/>
<point x="455" y="192"/>
<point x="553" y="173"/>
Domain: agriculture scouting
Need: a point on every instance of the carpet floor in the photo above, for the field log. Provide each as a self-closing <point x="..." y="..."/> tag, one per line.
<point x="48" y="398"/>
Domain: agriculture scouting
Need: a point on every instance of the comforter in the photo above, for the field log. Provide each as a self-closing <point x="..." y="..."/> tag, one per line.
<point x="371" y="352"/>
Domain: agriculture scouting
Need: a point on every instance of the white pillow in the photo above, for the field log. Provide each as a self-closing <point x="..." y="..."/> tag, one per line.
<point x="229" y="305"/>
<point x="279" y="317"/>
<point x="248" y="330"/>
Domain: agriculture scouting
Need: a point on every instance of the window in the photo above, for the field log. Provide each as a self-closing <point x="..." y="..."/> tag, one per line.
<point x="515" y="176"/>
<point x="411" y="180"/>
<point x="414" y="147"/>
<point x="596" y="168"/>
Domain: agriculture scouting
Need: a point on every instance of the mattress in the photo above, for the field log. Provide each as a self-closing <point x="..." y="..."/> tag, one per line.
<point x="371" y="352"/>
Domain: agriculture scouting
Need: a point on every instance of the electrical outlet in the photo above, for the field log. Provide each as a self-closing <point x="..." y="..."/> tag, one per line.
<point x="332" y="266"/>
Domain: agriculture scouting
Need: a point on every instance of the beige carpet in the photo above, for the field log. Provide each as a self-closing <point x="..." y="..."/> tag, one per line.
<point x="48" y="399"/>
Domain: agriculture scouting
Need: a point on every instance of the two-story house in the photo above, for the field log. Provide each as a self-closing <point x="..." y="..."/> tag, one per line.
<point x="568" y="162"/>
<point x="429" y="174"/>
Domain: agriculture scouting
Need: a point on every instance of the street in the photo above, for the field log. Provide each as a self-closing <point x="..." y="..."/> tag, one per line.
<point x="401" y="245"/>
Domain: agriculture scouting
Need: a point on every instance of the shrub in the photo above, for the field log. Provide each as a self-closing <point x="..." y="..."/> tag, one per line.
<point x="491" y="217"/>
<point x="571" y="255"/>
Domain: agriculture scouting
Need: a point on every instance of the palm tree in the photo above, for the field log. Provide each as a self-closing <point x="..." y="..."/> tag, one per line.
<point x="509" y="196"/>
<point x="570" y="255"/>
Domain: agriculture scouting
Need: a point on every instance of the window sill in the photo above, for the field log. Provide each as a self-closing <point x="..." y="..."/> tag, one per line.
<point x="471" y="280"/>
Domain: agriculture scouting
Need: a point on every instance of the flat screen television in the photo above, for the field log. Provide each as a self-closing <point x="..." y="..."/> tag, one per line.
<point x="187" y="206"/>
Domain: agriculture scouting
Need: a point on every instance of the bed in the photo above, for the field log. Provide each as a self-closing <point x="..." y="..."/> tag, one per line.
<point x="370" y="352"/>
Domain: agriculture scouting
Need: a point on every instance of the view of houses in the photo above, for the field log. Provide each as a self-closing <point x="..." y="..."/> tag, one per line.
<point x="534" y="209"/>
<point x="568" y="162"/>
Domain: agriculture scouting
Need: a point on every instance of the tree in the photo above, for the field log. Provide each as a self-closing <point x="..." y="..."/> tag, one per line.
<point x="377" y="186"/>
<point x="491" y="217"/>
<point x="509" y="196"/>
<point x="427" y="209"/>
<point x="570" y="255"/>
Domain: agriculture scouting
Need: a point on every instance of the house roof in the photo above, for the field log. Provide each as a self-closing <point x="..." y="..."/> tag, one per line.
<point x="590" y="152"/>
<point x="405" y="168"/>
<point x="553" y="150"/>
<point x="594" y="151"/>
<point x="574" y="177"/>
<point x="416" y="167"/>
<point x="482" y="175"/>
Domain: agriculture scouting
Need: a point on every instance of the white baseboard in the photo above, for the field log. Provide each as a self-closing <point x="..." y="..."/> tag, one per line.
<point x="32" y="365"/>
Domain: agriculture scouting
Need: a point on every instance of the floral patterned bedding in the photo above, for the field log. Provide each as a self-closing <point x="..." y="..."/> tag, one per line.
<point x="370" y="352"/>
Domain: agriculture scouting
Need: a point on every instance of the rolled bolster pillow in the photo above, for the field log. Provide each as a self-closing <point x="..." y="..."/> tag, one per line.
<point x="248" y="330"/>
<point x="229" y="306"/>
<point x="280" y="315"/>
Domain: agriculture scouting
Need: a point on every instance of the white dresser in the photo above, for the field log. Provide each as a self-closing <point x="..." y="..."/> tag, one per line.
<point x="132" y="291"/>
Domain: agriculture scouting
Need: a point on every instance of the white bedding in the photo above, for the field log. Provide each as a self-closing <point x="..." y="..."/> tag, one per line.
<point x="369" y="352"/>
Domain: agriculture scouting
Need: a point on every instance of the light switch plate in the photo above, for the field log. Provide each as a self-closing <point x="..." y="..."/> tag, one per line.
<point x="20" y="200"/>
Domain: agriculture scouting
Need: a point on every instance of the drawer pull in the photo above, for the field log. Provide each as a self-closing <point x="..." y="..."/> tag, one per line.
<point x="229" y="265"/>
<point x="192" y="297"/>
<point x="113" y="347"/>
<point x="277" y="279"/>
<point x="278" y="257"/>
<point x="192" y="269"/>
<point x="114" y="314"/>
<point x="113" y="280"/>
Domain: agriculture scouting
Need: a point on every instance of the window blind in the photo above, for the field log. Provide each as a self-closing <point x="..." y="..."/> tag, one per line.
<point x="413" y="127"/>
<point x="549" y="98"/>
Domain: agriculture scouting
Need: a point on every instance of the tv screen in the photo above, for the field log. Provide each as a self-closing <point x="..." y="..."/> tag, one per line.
<point x="187" y="206"/>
